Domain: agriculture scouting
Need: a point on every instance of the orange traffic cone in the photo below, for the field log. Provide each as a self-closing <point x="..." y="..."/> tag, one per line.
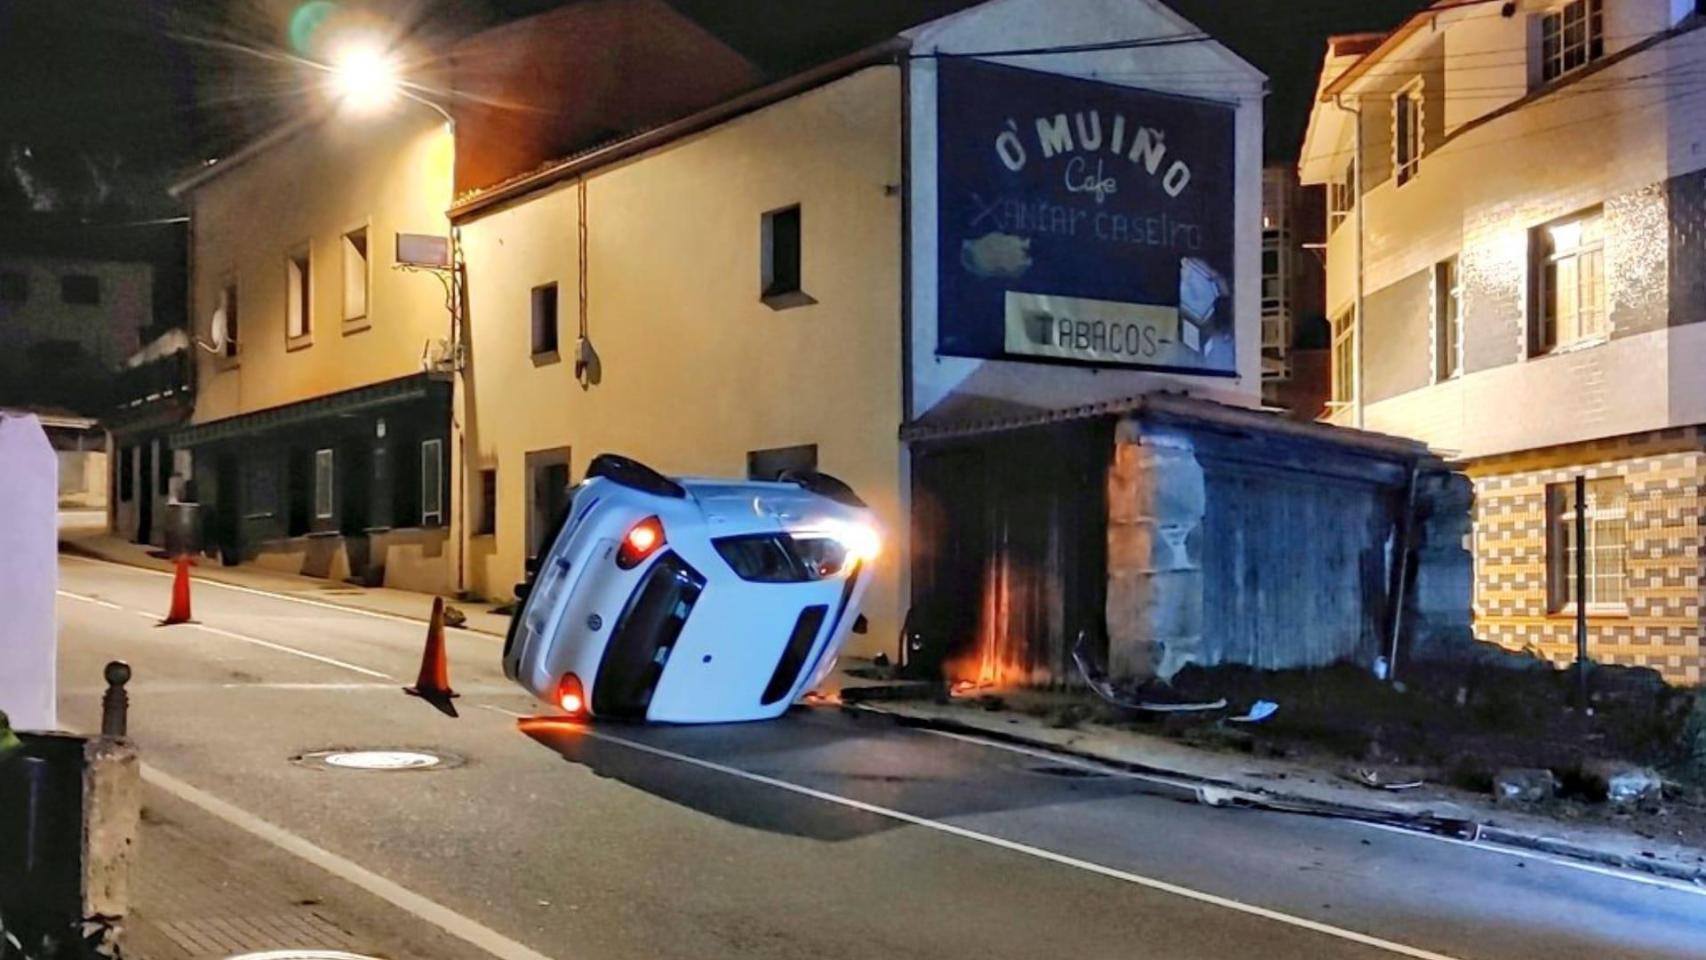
<point x="180" y="612"/>
<point x="433" y="684"/>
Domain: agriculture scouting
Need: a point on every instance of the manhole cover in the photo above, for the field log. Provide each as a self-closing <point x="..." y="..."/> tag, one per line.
<point x="301" y="955"/>
<point x="384" y="761"/>
<point x="1069" y="772"/>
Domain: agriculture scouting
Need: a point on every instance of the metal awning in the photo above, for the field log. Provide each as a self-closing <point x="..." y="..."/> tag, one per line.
<point x="420" y="386"/>
<point x="962" y="419"/>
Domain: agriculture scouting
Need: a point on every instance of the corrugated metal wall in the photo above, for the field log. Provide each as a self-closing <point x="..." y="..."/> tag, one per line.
<point x="1294" y="567"/>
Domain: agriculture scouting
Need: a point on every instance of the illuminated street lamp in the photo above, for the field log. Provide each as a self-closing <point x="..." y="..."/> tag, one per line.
<point x="365" y="77"/>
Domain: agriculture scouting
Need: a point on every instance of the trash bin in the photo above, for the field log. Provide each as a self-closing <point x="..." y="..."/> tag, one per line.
<point x="183" y="529"/>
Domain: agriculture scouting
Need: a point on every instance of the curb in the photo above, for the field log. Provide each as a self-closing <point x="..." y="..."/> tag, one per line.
<point x="75" y="549"/>
<point x="1227" y="793"/>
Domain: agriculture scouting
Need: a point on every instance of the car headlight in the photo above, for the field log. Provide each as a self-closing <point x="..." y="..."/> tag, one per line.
<point x="861" y="541"/>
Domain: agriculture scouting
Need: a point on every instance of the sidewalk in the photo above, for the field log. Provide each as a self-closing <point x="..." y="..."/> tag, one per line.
<point x="205" y="891"/>
<point x="98" y="544"/>
<point x="1231" y="779"/>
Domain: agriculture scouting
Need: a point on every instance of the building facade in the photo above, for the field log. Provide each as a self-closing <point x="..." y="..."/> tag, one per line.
<point x="1516" y="276"/>
<point x="320" y="439"/>
<point x="832" y="271"/>
<point x="332" y="361"/>
<point x="1294" y="338"/>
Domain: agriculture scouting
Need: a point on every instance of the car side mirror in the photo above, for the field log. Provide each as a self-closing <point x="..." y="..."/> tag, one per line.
<point x="861" y="625"/>
<point x="522" y="589"/>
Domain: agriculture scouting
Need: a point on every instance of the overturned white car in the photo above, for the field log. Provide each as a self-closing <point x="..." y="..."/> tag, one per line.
<point x="691" y="600"/>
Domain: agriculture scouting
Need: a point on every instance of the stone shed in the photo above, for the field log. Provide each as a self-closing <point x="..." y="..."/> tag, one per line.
<point x="1169" y="531"/>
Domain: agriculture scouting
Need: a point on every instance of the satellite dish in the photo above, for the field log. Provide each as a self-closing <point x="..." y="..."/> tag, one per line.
<point x="217" y="325"/>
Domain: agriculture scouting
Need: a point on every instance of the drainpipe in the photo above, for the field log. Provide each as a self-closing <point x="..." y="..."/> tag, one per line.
<point x="1356" y="310"/>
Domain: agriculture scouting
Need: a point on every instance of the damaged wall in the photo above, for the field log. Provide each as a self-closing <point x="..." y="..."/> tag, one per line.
<point x="1275" y="549"/>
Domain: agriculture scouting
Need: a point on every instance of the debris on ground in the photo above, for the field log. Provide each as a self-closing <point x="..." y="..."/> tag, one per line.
<point x="454" y="617"/>
<point x="1498" y="724"/>
<point x="1524" y="785"/>
<point x="1376" y="780"/>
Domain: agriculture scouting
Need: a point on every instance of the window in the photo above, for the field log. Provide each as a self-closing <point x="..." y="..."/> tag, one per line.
<point x="1571" y="37"/>
<point x="298" y="297"/>
<point x="323" y="499"/>
<point x="773" y="463"/>
<point x="14" y="286"/>
<point x="355" y="274"/>
<point x="126" y="469"/>
<point x="1604" y="557"/>
<point x="1569" y="264"/>
<point x="545" y="319"/>
<point x="782" y="257"/>
<point x="80" y="289"/>
<point x="547" y="495"/>
<point x="1407" y="132"/>
<point x="1341" y="197"/>
<point x="1448" y="321"/>
<point x="1344" y="357"/>
<point x="432" y="483"/>
<point x="486" y="524"/>
<point x="228" y="303"/>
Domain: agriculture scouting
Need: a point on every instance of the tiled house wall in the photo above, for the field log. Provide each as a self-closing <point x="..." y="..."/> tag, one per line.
<point x="1665" y="479"/>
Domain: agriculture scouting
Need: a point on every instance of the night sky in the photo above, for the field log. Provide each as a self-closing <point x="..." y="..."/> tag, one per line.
<point x="103" y="101"/>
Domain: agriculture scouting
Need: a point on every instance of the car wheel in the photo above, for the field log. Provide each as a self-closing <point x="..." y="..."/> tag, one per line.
<point x="634" y="475"/>
<point x="823" y="485"/>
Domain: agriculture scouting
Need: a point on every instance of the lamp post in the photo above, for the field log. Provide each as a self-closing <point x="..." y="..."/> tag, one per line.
<point x="366" y="78"/>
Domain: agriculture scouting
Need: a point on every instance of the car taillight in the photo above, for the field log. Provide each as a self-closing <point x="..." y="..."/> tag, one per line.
<point x="642" y="541"/>
<point x="570" y="696"/>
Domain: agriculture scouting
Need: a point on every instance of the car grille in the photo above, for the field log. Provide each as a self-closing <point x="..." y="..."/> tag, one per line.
<point x="644" y="636"/>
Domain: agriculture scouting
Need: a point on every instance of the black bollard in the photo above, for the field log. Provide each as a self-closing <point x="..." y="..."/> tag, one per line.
<point x="115" y="703"/>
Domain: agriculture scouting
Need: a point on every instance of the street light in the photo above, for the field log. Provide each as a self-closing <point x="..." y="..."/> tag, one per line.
<point x="365" y="77"/>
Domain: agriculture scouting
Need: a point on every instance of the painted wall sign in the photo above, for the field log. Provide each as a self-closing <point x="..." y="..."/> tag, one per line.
<point x="1082" y="222"/>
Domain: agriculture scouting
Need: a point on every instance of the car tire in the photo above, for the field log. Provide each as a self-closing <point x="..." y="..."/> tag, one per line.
<point x="824" y="485"/>
<point x="634" y="475"/>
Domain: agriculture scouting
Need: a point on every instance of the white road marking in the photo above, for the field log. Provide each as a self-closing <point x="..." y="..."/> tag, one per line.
<point x="268" y="644"/>
<point x="341" y="608"/>
<point x="281" y="648"/>
<point x="431" y="911"/>
<point x="97" y="601"/>
<point x="1015" y="847"/>
<point x="1486" y="846"/>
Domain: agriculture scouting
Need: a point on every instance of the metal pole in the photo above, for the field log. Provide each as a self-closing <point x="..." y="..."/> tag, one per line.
<point x="115" y="703"/>
<point x="1582" y="591"/>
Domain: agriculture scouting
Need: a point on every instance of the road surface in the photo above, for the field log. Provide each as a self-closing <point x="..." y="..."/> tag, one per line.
<point x="822" y="835"/>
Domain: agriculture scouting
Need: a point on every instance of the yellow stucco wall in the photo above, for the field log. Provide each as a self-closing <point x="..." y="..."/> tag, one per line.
<point x="391" y="173"/>
<point x="696" y="370"/>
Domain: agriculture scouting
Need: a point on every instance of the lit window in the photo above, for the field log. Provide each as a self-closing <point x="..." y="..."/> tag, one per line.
<point x="1407" y="132"/>
<point x="1605" y="524"/>
<point x="1569" y="261"/>
<point x="323" y="479"/>
<point x="1571" y="37"/>
<point x="298" y="296"/>
<point x="355" y="274"/>
<point x="1448" y="320"/>
<point x="1344" y="357"/>
<point x="1341" y="198"/>
<point x="432" y="483"/>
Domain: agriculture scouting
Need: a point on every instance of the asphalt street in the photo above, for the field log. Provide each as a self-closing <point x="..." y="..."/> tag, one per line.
<point x="825" y="834"/>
